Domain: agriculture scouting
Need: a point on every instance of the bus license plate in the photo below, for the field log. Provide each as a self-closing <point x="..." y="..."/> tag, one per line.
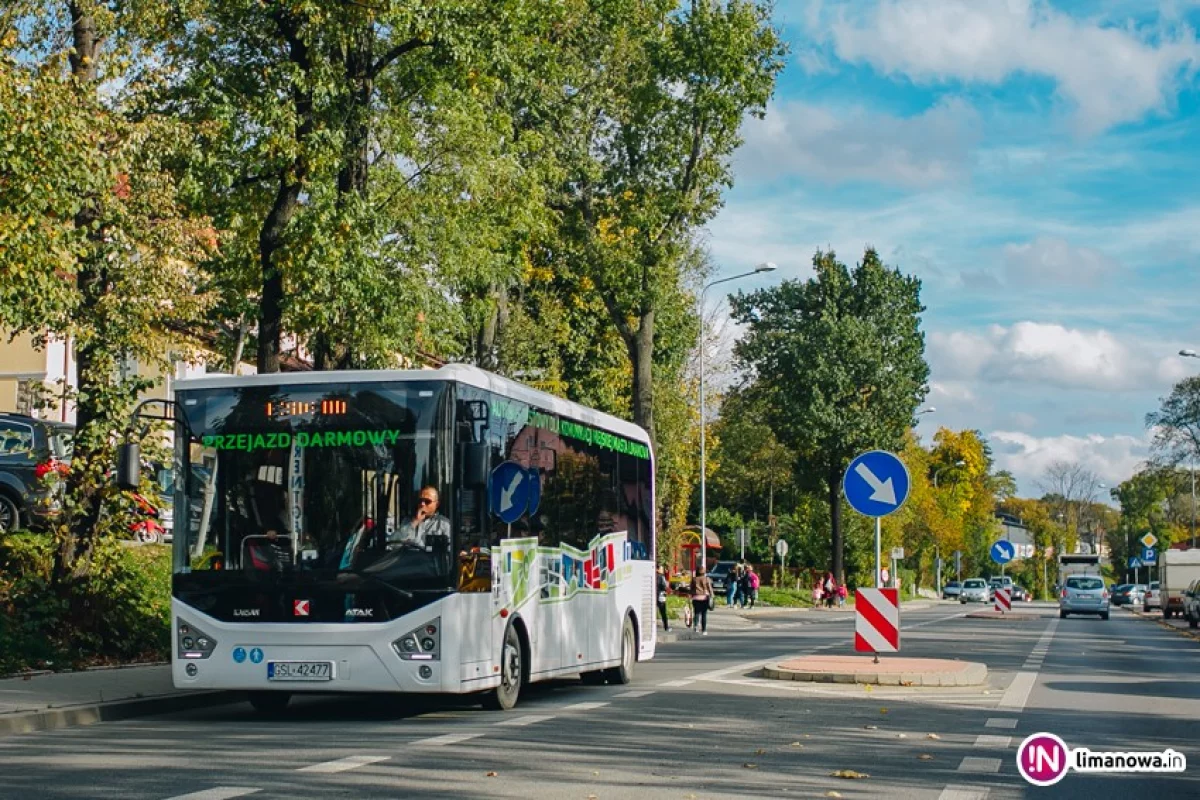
<point x="299" y="670"/>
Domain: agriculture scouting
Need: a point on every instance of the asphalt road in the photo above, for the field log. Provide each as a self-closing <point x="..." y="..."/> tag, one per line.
<point x="696" y="723"/>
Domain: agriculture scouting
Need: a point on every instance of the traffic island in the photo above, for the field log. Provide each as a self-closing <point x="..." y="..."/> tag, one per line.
<point x="1006" y="616"/>
<point x="888" y="672"/>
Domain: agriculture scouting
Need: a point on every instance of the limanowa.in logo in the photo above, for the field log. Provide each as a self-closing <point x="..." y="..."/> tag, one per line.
<point x="1043" y="759"/>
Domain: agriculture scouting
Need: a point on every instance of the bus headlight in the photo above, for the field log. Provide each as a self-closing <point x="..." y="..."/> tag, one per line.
<point x="421" y="644"/>
<point x="193" y="642"/>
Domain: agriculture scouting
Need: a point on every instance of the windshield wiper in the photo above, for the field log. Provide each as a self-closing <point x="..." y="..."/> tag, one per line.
<point x="374" y="581"/>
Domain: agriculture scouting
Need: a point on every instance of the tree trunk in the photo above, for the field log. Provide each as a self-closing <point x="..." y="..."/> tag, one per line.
<point x="834" y="481"/>
<point x="75" y="548"/>
<point x="641" y="354"/>
<point x="283" y="209"/>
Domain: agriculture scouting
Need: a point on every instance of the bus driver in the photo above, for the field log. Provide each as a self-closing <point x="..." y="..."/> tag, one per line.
<point x="425" y="523"/>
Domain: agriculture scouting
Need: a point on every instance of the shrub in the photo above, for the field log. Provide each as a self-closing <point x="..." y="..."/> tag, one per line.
<point x="118" y="612"/>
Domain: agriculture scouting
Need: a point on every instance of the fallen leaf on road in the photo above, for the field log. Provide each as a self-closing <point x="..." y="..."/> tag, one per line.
<point x="849" y="774"/>
<point x="925" y="757"/>
<point x="906" y="683"/>
<point x="833" y="794"/>
<point x="595" y="772"/>
<point x="749" y="766"/>
<point x="883" y="711"/>
<point x="797" y="744"/>
<point x="493" y="774"/>
<point x="901" y="735"/>
<point x="808" y="736"/>
<point x="867" y="687"/>
<point x="932" y="736"/>
<point x="871" y="727"/>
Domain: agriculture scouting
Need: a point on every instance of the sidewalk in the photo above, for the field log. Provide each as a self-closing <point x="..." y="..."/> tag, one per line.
<point x="48" y="701"/>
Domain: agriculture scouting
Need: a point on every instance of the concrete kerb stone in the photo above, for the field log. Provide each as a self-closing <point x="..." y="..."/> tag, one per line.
<point x="940" y="672"/>
<point x="92" y="713"/>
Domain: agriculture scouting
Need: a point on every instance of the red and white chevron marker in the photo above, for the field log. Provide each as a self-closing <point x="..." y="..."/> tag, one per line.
<point x="877" y="621"/>
<point x="1003" y="600"/>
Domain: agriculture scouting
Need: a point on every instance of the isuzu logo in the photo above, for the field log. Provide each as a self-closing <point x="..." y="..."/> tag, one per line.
<point x="360" y="612"/>
<point x="246" y="612"/>
<point x="300" y="608"/>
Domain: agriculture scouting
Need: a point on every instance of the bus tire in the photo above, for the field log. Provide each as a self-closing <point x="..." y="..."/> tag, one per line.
<point x="512" y="673"/>
<point x="269" y="702"/>
<point x="623" y="674"/>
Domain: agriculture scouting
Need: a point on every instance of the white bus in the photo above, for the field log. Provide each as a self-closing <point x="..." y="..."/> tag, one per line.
<point x="300" y="568"/>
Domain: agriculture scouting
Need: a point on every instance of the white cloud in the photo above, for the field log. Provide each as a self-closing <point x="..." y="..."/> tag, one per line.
<point x="1112" y="458"/>
<point x="1109" y="74"/>
<point x="1051" y="260"/>
<point x="1052" y="355"/>
<point x="858" y="144"/>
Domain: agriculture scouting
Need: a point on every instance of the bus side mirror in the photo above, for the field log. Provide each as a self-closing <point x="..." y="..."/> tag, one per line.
<point x="476" y="460"/>
<point x="129" y="466"/>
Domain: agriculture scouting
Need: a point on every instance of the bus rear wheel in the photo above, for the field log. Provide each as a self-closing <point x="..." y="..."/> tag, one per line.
<point x="512" y="674"/>
<point x="623" y="674"/>
<point x="269" y="702"/>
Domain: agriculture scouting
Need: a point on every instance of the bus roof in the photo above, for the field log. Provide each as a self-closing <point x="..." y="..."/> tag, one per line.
<point x="460" y="373"/>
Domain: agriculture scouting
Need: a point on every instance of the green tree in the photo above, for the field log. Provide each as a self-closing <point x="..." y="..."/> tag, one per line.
<point x="840" y="365"/>
<point x="1176" y="424"/>
<point x="94" y="244"/>
<point x="648" y="151"/>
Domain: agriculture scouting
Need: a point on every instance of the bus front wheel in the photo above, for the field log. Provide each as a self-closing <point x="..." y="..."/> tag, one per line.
<point x="624" y="673"/>
<point x="269" y="702"/>
<point x="505" y="696"/>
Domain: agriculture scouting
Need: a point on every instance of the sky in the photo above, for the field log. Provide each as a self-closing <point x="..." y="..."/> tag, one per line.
<point x="1035" y="164"/>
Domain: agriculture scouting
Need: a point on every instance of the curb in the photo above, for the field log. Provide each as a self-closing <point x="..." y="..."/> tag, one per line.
<point x="974" y="674"/>
<point x="93" y="713"/>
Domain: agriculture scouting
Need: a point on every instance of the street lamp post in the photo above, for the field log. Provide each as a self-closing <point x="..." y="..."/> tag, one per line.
<point x="766" y="266"/>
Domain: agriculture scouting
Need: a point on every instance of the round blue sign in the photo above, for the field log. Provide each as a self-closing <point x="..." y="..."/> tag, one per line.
<point x="876" y="483"/>
<point x="1003" y="551"/>
<point x="509" y="491"/>
<point x="239" y="654"/>
<point x="256" y="655"/>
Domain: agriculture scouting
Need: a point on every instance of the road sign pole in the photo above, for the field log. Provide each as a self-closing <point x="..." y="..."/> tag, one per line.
<point x="878" y="573"/>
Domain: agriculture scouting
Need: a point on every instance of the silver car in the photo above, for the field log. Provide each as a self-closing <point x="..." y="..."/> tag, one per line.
<point x="975" y="590"/>
<point x="1083" y="594"/>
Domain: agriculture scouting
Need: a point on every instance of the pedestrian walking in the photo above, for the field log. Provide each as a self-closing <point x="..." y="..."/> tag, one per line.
<point x="842" y="593"/>
<point x="829" y="589"/>
<point x="744" y="587"/>
<point x="731" y="586"/>
<point x="754" y="583"/>
<point x="702" y="592"/>
<point x="664" y="588"/>
<point x="816" y="592"/>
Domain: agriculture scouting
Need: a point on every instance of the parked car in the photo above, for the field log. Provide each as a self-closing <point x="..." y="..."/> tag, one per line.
<point x="719" y="575"/>
<point x="1021" y="593"/>
<point x="30" y="449"/>
<point x="1191" y="604"/>
<point x="1083" y="594"/>
<point x="975" y="590"/>
<point x="1128" y="594"/>
<point x="1152" y="598"/>
<point x="951" y="590"/>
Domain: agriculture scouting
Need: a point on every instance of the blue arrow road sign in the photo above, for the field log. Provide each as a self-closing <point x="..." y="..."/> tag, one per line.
<point x="508" y="493"/>
<point x="1003" y="552"/>
<point x="1149" y="555"/>
<point x="1134" y="563"/>
<point x="876" y="483"/>
<point x="535" y="490"/>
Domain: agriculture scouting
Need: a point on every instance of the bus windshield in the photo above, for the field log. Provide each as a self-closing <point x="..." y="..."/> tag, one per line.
<point x="324" y="481"/>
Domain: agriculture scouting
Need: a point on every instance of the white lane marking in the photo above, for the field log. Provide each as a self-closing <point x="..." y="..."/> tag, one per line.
<point x="583" y="706"/>
<point x="992" y="740"/>
<point x="343" y="764"/>
<point x="934" y="621"/>
<point x="518" y="722"/>
<point x="1001" y="722"/>
<point x="985" y="765"/>
<point x="637" y="693"/>
<point x="449" y="738"/>
<point x="674" y="684"/>
<point x="1017" y="694"/>
<point x="960" y="792"/>
<point x="219" y="793"/>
